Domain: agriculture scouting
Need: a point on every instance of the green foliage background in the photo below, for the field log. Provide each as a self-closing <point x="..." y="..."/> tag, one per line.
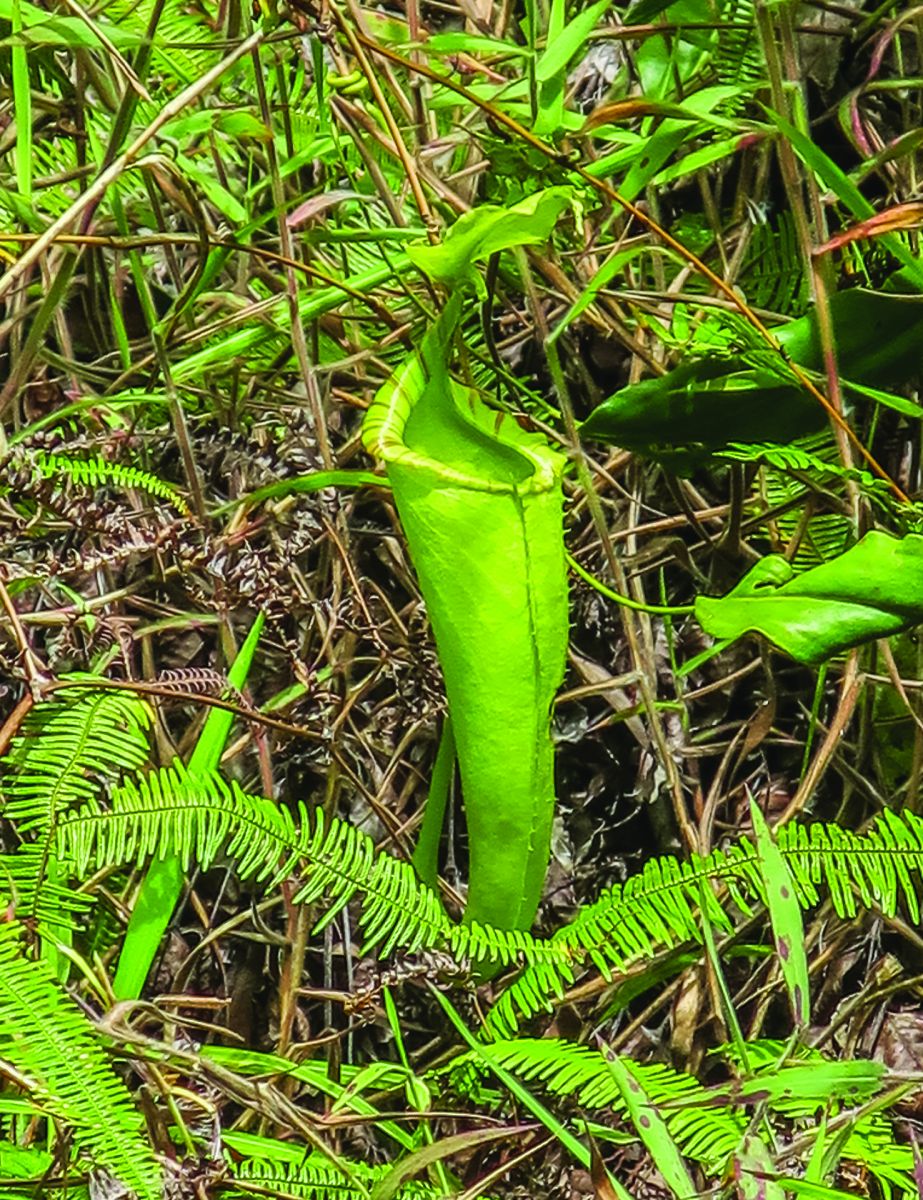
<point x="531" y="383"/>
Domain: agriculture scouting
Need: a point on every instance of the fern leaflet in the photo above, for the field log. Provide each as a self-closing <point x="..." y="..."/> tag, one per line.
<point x="98" y="472"/>
<point x="48" y="1040"/>
<point x="68" y="749"/>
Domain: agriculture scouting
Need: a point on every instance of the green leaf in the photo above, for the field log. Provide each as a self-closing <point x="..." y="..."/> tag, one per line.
<point x="472" y="43"/>
<point x="705" y="403"/>
<point x="481" y="506"/>
<point x="785" y="917"/>
<point x="561" y="49"/>
<point x="877" y="334"/>
<point x="805" y="1085"/>
<point x="651" y="1127"/>
<point x="488" y="229"/>
<point x="160" y="889"/>
<point x="754" y="1169"/>
<point x="874" y="590"/>
<point x="712" y="401"/>
<point x="22" y="108"/>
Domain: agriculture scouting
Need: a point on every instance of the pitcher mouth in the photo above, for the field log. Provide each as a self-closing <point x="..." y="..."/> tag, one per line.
<point x="522" y="463"/>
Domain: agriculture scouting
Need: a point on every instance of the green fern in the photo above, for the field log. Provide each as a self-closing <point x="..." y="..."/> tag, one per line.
<point x="659" y="908"/>
<point x="68" y="749"/>
<point x="790" y="475"/>
<point x="708" y="1135"/>
<point x="315" y="1178"/>
<point x="738" y="59"/>
<point x="772" y="274"/>
<point x="53" y="1047"/>
<point x="98" y="472"/>
<point x="708" y="1123"/>
<point x="170" y="812"/>
<point x="198" y="818"/>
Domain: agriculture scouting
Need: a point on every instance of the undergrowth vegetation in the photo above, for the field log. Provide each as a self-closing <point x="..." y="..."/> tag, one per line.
<point x="461" y="566"/>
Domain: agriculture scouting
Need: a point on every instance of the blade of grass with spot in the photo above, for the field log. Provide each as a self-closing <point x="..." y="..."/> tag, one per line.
<point x="161" y="887"/>
<point x="785" y="917"/>
<point x="754" y="1171"/>
<point x="651" y="1127"/>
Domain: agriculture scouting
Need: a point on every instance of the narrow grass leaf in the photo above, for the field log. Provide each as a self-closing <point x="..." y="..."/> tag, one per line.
<point x="785" y="918"/>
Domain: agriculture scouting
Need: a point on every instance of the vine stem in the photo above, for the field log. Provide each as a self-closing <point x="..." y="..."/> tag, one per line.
<point x="657" y="610"/>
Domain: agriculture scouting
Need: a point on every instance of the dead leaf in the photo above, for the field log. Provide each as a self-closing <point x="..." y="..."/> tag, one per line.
<point x="899" y="216"/>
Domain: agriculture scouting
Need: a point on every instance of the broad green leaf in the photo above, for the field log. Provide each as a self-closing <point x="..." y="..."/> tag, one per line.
<point x="710" y="402"/>
<point x="24" y="1162"/>
<point x="229" y="206"/>
<point x="706" y="404"/>
<point x="878" y="336"/>
<point x="785" y="917"/>
<point x="481" y="506"/>
<point x="488" y="229"/>
<point x="645" y="11"/>
<point x="874" y="590"/>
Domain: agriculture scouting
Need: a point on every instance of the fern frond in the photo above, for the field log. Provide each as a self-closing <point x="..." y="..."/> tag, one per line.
<point x="98" y="472"/>
<point x="658" y="909"/>
<point x="316" y="1178"/>
<point x="48" y="1041"/>
<point x="707" y="1134"/>
<point x="813" y="456"/>
<point x="170" y="812"/>
<point x="790" y="473"/>
<point x="199" y="817"/>
<point x="70" y="747"/>
<point x="704" y="1122"/>
<point x="738" y="59"/>
<point x="313" y="1177"/>
<point x="772" y="274"/>
<point x="25" y="885"/>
